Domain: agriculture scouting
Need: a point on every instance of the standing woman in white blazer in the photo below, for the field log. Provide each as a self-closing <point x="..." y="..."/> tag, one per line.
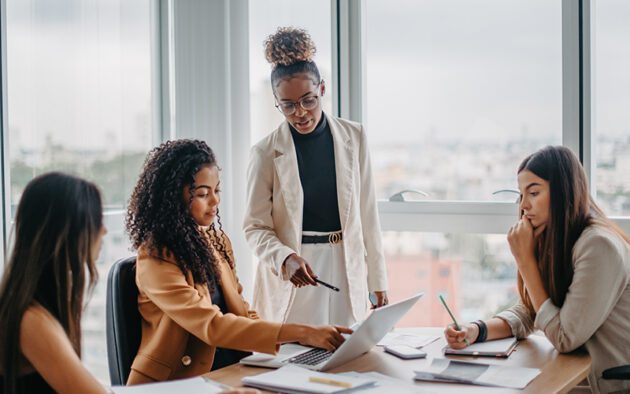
<point x="311" y="207"/>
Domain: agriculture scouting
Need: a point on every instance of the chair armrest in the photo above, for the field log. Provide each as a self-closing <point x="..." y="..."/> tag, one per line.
<point x="621" y="373"/>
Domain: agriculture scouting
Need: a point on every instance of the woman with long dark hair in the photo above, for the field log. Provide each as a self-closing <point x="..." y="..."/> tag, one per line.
<point x="194" y="318"/>
<point x="58" y="232"/>
<point x="573" y="270"/>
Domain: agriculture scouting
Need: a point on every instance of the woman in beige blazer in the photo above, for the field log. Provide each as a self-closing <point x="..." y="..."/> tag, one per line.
<point x="573" y="270"/>
<point x="194" y="318"/>
<point x="311" y="206"/>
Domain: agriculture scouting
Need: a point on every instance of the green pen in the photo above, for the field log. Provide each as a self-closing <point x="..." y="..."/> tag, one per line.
<point x="457" y="327"/>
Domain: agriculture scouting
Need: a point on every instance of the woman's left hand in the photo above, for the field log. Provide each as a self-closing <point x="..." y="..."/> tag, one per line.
<point x="381" y="299"/>
<point x="522" y="240"/>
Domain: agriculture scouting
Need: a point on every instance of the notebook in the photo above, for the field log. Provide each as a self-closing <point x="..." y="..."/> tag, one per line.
<point x="294" y="379"/>
<point x="496" y="348"/>
<point x="198" y="385"/>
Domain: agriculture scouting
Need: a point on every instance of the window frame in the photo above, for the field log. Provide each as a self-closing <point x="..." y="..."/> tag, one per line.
<point x="349" y="24"/>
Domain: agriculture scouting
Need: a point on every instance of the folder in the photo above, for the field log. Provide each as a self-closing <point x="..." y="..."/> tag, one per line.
<point x="294" y="379"/>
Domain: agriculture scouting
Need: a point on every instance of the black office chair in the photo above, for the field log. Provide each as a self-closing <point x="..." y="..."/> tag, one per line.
<point x="617" y="373"/>
<point x="123" y="319"/>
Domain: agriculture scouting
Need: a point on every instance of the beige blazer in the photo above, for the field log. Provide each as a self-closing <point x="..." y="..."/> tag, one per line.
<point x="595" y="311"/>
<point x="273" y="217"/>
<point x="181" y="327"/>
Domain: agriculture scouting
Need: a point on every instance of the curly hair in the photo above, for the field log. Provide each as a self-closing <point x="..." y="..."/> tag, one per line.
<point x="290" y="51"/>
<point x="159" y="219"/>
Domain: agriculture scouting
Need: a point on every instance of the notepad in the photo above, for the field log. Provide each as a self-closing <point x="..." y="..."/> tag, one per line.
<point x="496" y="348"/>
<point x="294" y="379"/>
<point x="198" y="385"/>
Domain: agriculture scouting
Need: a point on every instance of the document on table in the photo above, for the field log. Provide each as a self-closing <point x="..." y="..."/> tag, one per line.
<point x="199" y="385"/>
<point x="444" y="370"/>
<point x="294" y="379"/>
<point x="401" y="338"/>
<point x="386" y="384"/>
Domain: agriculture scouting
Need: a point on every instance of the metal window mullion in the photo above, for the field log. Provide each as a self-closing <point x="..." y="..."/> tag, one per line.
<point x="577" y="77"/>
<point x="348" y="24"/>
<point x="5" y="195"/>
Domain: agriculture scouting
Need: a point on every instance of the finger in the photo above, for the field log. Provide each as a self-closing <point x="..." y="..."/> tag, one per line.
<point x="309" y="271"/>
<point x="307" y="278"/>
<point x="336" y="340"/>
<point x="343" y="330"/>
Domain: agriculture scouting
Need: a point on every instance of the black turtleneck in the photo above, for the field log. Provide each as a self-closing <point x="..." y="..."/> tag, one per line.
<point x="316" y="163"/>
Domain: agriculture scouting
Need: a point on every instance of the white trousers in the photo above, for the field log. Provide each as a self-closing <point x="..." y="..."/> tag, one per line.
<point x="321" y="305"/>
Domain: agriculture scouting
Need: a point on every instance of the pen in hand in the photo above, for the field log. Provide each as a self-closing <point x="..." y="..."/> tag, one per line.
<point x="331" y="287"/>
<point x="457" y="327"/>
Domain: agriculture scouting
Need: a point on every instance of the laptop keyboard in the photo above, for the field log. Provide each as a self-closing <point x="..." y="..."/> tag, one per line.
<point x="312" y="357"/>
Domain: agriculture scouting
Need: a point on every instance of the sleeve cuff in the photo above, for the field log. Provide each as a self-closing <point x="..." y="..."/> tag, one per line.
<point x="377" y="285"/>
<point x="545" y="314"/>
<point x="515" y="323"/>
<point x="282" y="255"/>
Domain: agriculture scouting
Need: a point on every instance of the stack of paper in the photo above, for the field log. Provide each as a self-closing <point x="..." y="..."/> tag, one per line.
<point x="385" y="384"/>
<point x="294" y="379"/>
<point x="413" y="340"/>
<point x="198" y="385"/>
<point x="444" y="370"/>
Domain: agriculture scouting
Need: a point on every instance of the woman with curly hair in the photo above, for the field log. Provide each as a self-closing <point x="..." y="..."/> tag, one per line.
<point x="311" y="210"/>
<point x="573" y="270"/>
<point x="194" y="318"/>
<point x="58" y="234"/>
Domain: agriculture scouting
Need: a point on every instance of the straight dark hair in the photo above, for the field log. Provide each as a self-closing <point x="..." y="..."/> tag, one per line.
<point x="572" y="209"/>
<point x="58" y="219"/>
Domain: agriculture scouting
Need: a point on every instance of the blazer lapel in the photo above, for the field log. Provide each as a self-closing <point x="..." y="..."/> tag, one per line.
<point x="233" y="299"/>
<point x="289" y="175"/>
<point x="344" y="168"/>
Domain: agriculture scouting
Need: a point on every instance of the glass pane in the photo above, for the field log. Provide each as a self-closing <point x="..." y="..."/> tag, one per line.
<point x="611" y="104"/>
<point x="475" y="273"/>
<point x="79" y="100"/>
<point x="459" y="92"/>
<point x="264" y="19"/>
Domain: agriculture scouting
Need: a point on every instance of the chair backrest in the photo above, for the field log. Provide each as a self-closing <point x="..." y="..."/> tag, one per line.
<point x="123" y="319"/>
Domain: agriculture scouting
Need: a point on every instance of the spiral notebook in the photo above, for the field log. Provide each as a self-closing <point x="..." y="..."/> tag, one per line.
<point x="497" y="348"/>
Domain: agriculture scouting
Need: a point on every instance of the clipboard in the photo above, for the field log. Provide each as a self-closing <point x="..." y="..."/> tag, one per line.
<point x="496" y="348"/>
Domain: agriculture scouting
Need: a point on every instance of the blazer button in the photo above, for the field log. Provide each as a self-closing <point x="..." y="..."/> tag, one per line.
<point x="186" y="360"/>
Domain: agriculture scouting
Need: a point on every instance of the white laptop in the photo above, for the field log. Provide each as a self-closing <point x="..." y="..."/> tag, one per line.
<point x="365" y="336"/>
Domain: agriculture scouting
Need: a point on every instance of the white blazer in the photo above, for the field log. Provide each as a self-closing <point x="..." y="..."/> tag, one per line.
<point x="273" y="217"/>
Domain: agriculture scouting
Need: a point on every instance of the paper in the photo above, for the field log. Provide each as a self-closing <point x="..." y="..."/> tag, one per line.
<point x="496" y="348"/>
<point x="445" y="370"/>
<point x="386" y="384"/>
<point x="199" y="385"/>
<point x="413" y="340"/>
<point x="294" y="379"/>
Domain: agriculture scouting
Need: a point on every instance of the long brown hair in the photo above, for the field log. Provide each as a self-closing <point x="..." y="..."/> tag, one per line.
<point x="58" y="219"/>
<point x="572" y="209"/>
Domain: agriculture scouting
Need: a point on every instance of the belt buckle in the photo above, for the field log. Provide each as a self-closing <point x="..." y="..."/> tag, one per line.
<point x="334" y="238"/>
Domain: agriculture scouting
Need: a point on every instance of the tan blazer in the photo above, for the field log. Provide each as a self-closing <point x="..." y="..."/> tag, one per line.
<point x="273" y="217"/>
<point x="181" y="327"/>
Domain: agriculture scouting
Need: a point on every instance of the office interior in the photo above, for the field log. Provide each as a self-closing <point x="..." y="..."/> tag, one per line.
<point x="453" y="94"/>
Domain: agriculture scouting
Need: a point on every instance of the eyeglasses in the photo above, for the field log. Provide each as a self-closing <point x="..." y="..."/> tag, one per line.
<point x="307" y="103"/>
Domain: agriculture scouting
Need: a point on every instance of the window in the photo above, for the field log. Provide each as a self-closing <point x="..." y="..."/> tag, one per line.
<point x="611" y="102"/>
<point x="475" y="272"/>
<point x="264" y="19"/>
<point x="459" y="92"/>
<point x="80" y="100"/>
